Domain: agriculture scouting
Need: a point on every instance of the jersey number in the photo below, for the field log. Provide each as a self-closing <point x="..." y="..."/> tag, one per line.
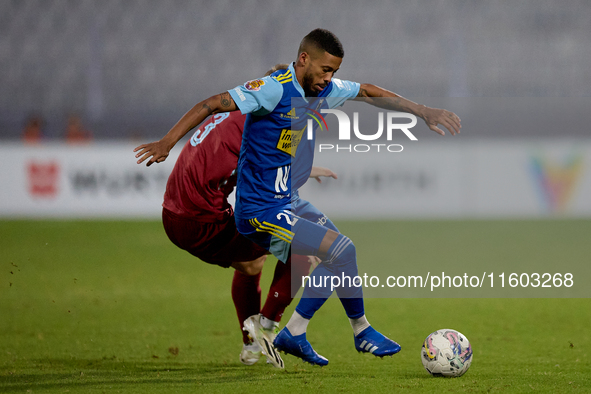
<point x="199" y="135"/>
<point x="286" y="217"/>
<point x="282" y="179"/>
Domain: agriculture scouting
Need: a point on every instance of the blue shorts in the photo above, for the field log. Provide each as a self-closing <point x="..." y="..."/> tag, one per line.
<point x="296" y="227"/>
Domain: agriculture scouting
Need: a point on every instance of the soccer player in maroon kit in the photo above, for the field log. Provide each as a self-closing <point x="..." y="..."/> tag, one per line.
<point x="198" y="218"/>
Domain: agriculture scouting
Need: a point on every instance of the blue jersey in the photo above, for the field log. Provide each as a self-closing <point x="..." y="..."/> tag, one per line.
<point x="277" y="150"/>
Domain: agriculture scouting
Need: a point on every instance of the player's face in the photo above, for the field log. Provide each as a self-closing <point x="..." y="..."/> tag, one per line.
<point x="319" y="70"/>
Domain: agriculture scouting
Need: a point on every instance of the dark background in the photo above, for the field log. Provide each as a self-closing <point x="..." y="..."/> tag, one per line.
<point x="130" y="69"/>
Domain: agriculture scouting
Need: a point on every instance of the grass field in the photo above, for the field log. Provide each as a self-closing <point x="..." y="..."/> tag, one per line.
<point x="99" y="306"/>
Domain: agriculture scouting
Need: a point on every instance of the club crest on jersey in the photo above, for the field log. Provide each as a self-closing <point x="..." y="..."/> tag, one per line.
<point x="254" y="85"/>
<point x="289" y="140"/>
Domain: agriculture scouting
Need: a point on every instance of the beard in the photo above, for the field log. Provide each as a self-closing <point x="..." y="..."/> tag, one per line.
<point x="307" y="86"/>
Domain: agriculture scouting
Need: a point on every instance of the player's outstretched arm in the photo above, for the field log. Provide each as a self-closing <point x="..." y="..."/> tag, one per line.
<point x="158" y="151"/>
<point x="318" y="172"/>
<point x="390" y="100"/>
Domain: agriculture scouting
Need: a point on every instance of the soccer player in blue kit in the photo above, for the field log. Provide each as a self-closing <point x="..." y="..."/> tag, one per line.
<point x="268" y="208"/>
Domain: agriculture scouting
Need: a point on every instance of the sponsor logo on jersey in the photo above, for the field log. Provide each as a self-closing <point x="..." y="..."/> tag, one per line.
<point x="240" y="94"/>
<point x="254" y="85"/>
<point x="291" y="114"/>
<point x="289" y="140"/>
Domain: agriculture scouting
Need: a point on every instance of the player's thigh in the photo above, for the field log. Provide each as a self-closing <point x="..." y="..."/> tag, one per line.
<point x="217" y="243"/>
<point x="308" y="211"/>
<point x="271" y="230"/>
<point x="231" y="246"/>
<point x="282" y="232"/>
<point x="250" y="268"/>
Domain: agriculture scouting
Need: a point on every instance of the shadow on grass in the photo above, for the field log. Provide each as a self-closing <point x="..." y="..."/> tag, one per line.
<point x="64" y="373"/>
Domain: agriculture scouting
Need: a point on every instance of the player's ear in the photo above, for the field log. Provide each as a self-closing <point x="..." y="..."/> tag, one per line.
<point x="304" y="58"/>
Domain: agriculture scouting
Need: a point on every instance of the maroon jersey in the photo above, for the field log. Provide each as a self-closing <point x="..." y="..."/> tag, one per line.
<point x="205" y="172"/>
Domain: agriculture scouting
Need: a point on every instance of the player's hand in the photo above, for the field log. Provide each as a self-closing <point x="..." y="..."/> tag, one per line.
<point x="314" y="261"/>
<point x="318" y="172"/>
<point x="435" y="116"/>
<point x="158" y="151"/>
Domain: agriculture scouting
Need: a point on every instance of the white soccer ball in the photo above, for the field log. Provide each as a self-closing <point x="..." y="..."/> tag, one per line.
<point x="446" y="352"/>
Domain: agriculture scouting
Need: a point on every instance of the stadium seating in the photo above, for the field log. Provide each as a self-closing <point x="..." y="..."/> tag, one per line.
<point x="127" y="65"/>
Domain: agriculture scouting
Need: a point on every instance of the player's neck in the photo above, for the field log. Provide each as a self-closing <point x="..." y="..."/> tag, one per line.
<point x="299" y="73"/>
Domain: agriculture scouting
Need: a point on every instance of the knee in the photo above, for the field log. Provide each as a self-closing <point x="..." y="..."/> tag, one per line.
<point x="251" y="268"/>
<point x="343" y="249"/>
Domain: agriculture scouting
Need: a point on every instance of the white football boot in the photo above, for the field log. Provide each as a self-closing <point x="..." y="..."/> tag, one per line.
<point x="264" y="338"/>
<point x="250" y="354"/>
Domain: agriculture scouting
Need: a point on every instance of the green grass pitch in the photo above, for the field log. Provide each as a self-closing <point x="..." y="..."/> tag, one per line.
<point x="101" y="306"/>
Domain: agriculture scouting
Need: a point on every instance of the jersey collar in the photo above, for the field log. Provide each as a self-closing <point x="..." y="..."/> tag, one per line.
<point x="296" y="83"/>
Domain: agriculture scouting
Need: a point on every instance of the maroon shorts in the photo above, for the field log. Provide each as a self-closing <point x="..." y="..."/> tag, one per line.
<point x="215" y="243"/>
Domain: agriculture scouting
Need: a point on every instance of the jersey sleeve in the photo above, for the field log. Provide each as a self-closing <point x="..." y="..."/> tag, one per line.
<point x="258" y="97"/>
<point x="341" y="92"/>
